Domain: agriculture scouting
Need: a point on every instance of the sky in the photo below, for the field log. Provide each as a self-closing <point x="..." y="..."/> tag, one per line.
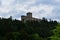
<point x="49" y="9"/>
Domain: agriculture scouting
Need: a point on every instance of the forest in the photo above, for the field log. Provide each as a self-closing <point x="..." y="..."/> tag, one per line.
<point x="13" y="29"/>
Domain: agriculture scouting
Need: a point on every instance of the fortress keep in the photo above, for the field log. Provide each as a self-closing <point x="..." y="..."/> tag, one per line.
<point x="28" y="17"/>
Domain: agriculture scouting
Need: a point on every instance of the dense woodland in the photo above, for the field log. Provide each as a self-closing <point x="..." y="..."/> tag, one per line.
<point x="12" y="29"/>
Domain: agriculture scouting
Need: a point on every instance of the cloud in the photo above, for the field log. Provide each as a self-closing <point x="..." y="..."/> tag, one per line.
<point x="39" y="8"/>
<point x="57" y="0"/>
<point x="6" y="6"/>
<point x="6" y="2"/>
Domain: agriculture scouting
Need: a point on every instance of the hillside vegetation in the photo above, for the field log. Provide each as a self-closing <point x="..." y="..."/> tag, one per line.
<point x="28" y="30"/>
<point x="56" y="31"/>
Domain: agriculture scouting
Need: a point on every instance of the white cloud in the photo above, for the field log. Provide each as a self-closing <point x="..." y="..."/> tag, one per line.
<point x="20" y="7"/>
<point x="30" y="2"/>
<point x="7" y="2"/>
<point x="25" y="7"/>
<point x="4" y="9"/>
<point x="57" y="0"/>
<point x="6" y="6"/>
<point x="39" y="11"/>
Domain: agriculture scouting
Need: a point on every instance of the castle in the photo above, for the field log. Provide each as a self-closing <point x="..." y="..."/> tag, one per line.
<point x="29" y="17"/>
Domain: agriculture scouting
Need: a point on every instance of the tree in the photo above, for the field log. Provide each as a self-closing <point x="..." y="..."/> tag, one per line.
<point x="56" y="32"/>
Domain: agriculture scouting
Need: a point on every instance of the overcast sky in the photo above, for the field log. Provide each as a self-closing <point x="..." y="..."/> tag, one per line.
<point x="40" y="8"/>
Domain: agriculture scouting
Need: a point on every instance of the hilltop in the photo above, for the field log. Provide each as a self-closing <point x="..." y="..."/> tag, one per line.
<point x="30" y="30"/>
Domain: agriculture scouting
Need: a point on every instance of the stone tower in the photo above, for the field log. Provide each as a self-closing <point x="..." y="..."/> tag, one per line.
<point x="23" y="17"/>
<point x="29" y="15"/>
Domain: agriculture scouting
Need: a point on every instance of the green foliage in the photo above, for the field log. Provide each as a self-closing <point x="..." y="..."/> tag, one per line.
<point x="35" y="37"/>
<point x="29" y="30"/>
<point x="56" y="32"/>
